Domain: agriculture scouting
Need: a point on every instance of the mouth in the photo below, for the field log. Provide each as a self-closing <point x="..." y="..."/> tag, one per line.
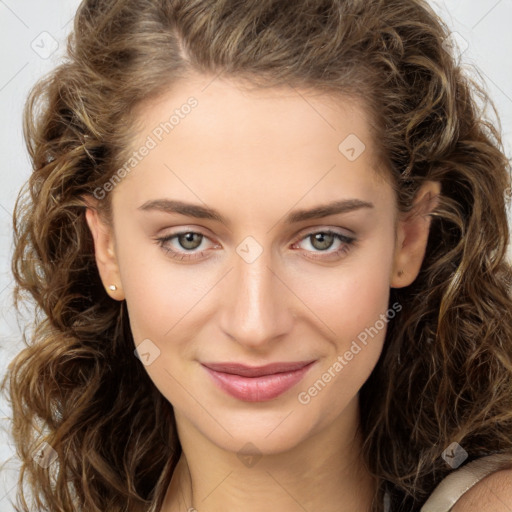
<point x="257" y="384"/>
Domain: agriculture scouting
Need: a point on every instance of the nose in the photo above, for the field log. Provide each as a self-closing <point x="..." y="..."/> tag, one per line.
<point x="257" y="305"/>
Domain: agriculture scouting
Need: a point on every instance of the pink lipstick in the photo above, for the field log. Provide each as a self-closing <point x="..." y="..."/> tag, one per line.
<point x="257" y="383"/>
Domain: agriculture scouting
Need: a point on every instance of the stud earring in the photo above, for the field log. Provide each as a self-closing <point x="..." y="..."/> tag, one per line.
<point x="113" y="287"/>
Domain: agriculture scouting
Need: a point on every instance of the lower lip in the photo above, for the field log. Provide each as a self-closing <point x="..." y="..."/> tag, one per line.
<point x="257" y="389"/>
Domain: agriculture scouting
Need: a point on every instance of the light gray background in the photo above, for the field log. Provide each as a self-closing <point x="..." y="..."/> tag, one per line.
<point x="29" y="28"/>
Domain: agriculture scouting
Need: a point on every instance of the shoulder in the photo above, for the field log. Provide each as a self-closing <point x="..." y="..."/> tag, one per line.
<point x="492" y="494"/>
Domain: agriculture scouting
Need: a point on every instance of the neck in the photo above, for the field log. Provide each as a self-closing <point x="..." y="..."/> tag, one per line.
<point x="324" y="472"/>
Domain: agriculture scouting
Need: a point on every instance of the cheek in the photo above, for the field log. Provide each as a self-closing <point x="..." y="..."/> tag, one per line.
<point x="353" y="303"/>
<point x="352" y="295"/>
<point x="163" y="300"/>
<point x="160" y="293"/>
<point x="360" y="322"/>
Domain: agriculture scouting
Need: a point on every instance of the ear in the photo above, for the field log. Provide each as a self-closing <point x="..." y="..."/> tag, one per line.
<point x="104" y="249"/>
<point x="412" y="235"/>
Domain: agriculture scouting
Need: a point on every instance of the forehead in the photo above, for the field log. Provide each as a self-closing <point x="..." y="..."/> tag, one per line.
<point x="250" y="114"/>
<point x="215" y="135"/>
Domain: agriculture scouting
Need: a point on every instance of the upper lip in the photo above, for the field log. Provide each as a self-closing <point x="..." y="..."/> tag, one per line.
<point x="256" y="371"/>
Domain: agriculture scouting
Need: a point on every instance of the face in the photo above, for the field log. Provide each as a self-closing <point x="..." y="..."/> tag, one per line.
<point x="254" y="231"/>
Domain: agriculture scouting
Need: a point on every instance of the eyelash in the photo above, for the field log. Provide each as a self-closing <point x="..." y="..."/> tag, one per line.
<point x="347" y="241"/>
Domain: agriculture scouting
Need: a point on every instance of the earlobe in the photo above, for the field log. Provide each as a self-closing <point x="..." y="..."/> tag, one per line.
<point x="104" y="250"/>
<point x="412" y="236"/>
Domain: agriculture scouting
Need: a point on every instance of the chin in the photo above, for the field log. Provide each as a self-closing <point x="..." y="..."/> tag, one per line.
<point x="265" y="432"/>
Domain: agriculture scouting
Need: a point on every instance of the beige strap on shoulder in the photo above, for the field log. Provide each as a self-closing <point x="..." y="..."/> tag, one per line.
<point x="451" y="488"/>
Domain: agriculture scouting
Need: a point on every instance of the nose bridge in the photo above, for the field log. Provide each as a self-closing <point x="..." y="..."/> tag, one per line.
<point x="256" y="306"/>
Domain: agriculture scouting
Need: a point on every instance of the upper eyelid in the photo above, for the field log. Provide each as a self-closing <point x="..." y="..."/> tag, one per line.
<point x="306" y="233"/>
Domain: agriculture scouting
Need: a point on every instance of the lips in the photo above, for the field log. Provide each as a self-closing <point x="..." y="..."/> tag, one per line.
<point x="257" y="384"/>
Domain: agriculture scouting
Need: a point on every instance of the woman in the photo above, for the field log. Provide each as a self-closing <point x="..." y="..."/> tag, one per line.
<point x="268" y="242"/>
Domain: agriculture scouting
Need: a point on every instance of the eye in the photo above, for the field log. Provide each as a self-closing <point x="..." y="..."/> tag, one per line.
<point x="183" y="245"/>
<point x="323" y="240"/>
<point x="186" y="242"/>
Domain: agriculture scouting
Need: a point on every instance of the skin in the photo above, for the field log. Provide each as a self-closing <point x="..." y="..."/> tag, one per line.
<point x="255" y="156"/>
<point x="492" y="494"/>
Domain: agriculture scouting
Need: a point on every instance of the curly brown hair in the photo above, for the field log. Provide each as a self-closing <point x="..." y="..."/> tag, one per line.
<point x="445" y="373"/>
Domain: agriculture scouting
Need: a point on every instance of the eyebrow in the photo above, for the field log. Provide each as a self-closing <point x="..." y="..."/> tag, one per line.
<point x="204" y="212"/>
